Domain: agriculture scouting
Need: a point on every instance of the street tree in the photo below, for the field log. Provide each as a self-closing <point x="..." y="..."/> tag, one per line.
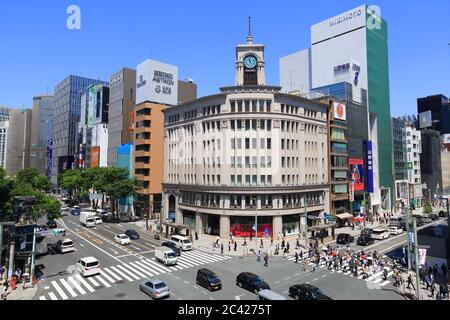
<point x="72" y="181"/>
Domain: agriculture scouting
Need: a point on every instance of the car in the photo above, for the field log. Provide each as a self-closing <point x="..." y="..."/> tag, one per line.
<point x="102" y="213"/>
<point x="419" y="221"/>
<point x="307" y="292"/>
<point x="88" y="266"/>
<point x="442" y="214"/>
<point x="364" y="240"/>
<point x="433" y="216"/>
<point x="52" y="224"/>
<point x="155" y="288"/>
<point x="98" y="220"/>
<point x="208" y="279"/>
<point x="122" y="239"/>
<point x="367" y="232"/>
<point x="76" y="210"/>
<point x="42" y="228"/>
<point x="344" y="238"/>
<point x="426" y="219"/>
<point x="65" y="245"/>
<point x="172" y="246"/>
<point x="65" y="211"/>
<point x="395" y="230"/>
<point x="132" y="234"/>
<point x="251" y="282"/>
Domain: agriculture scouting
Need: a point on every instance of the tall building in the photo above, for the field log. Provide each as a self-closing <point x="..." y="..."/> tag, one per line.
<point x="351" y="49"/>
<point x="430" y="163"/>
<point x="4" y="123"/>
<point x="434" y="113"/>
<point x="247" y="150"/>
<point x="65" y="122"/>
<point x="18" y="141"/>
<point x="445" y="161"/>
<point x="122" y="98"/>
<point x="92" y="138"/>
<point x="157" y="88"/>
<point x="43" y="108"/>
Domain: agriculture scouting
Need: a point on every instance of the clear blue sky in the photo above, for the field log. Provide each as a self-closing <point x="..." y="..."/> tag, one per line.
<point x="37" y="50"/>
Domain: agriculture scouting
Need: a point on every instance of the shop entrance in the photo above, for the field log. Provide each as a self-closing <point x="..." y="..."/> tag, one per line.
<point x="245" y="227"/>
<point x="212" y="224"/>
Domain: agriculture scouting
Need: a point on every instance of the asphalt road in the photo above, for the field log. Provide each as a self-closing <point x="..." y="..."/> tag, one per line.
<point x="123" y="268"/>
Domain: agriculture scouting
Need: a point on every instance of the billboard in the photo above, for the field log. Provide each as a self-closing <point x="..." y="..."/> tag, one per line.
<point x="370" y="167"/>
<point x="157" y="82"/>
<point x="339" y="111"/>
<point x="91" y="107"/>
<point x="340" y="24"/>
<point x="357" y="173"/>
<point x="95" y="157"/>
<point x="446" y="139"/>
<point x="426" y="119"/>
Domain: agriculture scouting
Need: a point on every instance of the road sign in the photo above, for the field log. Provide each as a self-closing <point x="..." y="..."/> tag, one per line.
<point x="411" y="237"/>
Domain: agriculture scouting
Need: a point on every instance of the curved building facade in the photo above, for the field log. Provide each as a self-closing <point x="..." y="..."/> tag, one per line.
<point x="248" y="156"/>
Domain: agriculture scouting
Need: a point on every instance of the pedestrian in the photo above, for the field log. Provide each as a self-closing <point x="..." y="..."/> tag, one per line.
<point x="221" y="248"/>
<point x="288" y="246"/>
<point x="444" y="269"/>
<point x="266" y="260"/>
<point x="235" y="246"/>
<point x="410" y="282"/>
<point x="262" y="244"/>
<point x="251" y="237"/>
<point x="297" y="245"/>
<point x="196" y="236"/>
<point x="283" y="244"/>
<point x="301" y="254"/>
<point x="258" y="256"/>
<point x="4" y="292"/>
<point x="305" y="265"/>
<point x="296" y="257"/>
<point x="229" y="246"/>
<point x="245" y="242"/>
<point x="271" y="241"/>
<point x="433" y="289"/>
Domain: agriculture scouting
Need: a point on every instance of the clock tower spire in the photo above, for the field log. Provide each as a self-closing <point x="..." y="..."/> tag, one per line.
<point x="250" y="62"/>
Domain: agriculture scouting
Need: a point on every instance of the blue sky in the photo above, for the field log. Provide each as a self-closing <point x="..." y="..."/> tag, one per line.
<point x="37" y="50"/>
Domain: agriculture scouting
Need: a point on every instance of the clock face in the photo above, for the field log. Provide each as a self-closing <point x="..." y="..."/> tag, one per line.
<point x="250" y="62"/>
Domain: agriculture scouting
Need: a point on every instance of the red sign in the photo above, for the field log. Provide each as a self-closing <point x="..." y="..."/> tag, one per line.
<point x="131" y="127"/>
<point x="95" y="157"/>
<point x="357" y="173"/>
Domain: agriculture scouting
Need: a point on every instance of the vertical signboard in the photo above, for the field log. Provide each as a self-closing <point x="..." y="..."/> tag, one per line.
<point x="370" y="167"/>
<point x="50" y="158"/>
<point x="339" y="111"/>
<point x="95" y="157"/>
<point x="357" y="173"/>
<point x="426" y="119"/>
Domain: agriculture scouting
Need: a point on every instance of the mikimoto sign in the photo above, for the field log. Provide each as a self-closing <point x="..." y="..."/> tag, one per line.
<point x="157" y="82"/>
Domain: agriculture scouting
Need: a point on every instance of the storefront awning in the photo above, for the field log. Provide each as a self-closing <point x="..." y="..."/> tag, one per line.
<point x="344" y="216"/>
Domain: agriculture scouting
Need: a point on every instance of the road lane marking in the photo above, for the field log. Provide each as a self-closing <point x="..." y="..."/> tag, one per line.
<point x="146" y="267"/>
<point x="156" y="266"/>
<point x="69" y="288"/>
<point x="128" y="272"/>
<point x="298" y="274"/>
<point x="277" y="282"/>
<point x="97" y="241"/>
<point x="59" y="290"/>
<point x="107" y="227"/>
<point x="204" y="292"/>
<point x="133" y="246"/>
<point x="80" y="278"/>
<point x="76" y="285"/>
<point x="316" y="279"/>
<point x="47" y="287"/>
<point x="186" y="282"/>
<point x="106" y="284"/>
<point x="287" y="278"/>
<point x="114" y="251"/>
<point x="144" y="271"/>
<point x="52" y="296"/>
<point x="121" y="273"/>
<point x="378" y="280"/>
<point x="195" y="287"/>
<point x="111" y="273"/>
<point x="237" y="298"/>
<point x="42" y="298"/>
<point x="95" y="283"/>
<point x="384" y="283"/>
<point x="324" y="276"/>
<point x="136" y="271"/>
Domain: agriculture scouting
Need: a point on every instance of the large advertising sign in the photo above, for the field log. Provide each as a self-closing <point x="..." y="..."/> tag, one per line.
<point x="340" y="24"/>
<point x="339" y="111"/>
<point x="357" y="173"/>
<point x="446" y="139"/>
<point x="426" y="120"/>
<point x="50" y="158"/>
<point x="91" y="107"/>
<point x="370" y="167"/>
<point x="157" y="82"/>
<point x="95" y="157"/>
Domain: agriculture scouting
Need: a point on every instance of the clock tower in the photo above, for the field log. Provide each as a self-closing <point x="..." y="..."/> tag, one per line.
<point x="250" y="62"/>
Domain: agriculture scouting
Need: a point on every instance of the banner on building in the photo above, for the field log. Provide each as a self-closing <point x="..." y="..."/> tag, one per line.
<point x="95" y="157"/>
<point x="132" y="118"/>
<point x="339" y="111"/>
<point x="422" y="256"/>
<point x="352" y="192"/>
<point x="370" y="167"/>
<point x="50" y="158"/>
<point x="357" y="173"/>
<point x="426" y="119"/>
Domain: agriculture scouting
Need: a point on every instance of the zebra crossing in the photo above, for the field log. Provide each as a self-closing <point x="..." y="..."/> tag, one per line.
<point x="375" y="279"/>
<point x="75" y="285"/>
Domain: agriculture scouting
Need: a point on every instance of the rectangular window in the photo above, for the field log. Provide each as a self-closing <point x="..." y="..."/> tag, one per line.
<point x="247" y="125"/>
<point x="247" y="180"/>
<point x="239" y="183"/>
<point x="247" y="143"/>
<point x="239" y="162"/>
<point x="233" y="125"/>
<point x="261" y="105"/>
<point x="283" y="162"/>
<point x="239" y="124"/>
<point x="254" y="125"/>
<point x="254" y="162"/>
<point x="269" y="125"/>
<point x="254" y="143"/>
<point x="262" y="181"/>
<point x="254" y="180"/>
<point x="233" y="106"/>
<point x="282" y="144"/>
<point x="247" y="162"/>
<point x="239" y="144"/>
<point x="262" y="124"/>
<point x="239" y="106"/>
<point x="233" y="144"/>
<point x="233" y="162"/>
<point x="263" y="143"/>
<point x="269" y="143"/>
<point x="269" y="104"/>
<point x="269" y="162"/>
<point x="262" y="162"/>
<point x="254" y="106"/>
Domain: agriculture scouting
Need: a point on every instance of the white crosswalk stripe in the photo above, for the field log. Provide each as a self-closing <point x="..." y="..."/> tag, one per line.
<point x="76" y="285"/>
<point x="52" y="296"/>
<point x="59" y="290"/>
<point x="106" y="284"/>
<point x="84" y="283"/>
<point x="121" y="273"/>
<point x="42" y="298"/>
<point x="121" y="267"/>
<point x="68" y="287"/>
<point x="155" y="266"/>
<point x="107" y="277"/>
<point x="95" y="283"/>
<point x="106" y="270"/>
<point x="137" y="267"/>
<point x="384" y="283"/>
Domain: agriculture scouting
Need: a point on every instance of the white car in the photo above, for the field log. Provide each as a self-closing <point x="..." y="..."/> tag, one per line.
<point x="122" y="239"/>
<point x="98" y="220"/>
<point x="65" y="211"/>
<point x="393" y="230"/>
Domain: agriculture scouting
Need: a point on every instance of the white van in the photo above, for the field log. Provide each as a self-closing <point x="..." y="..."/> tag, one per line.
<point x="88" y="266"/>
<point x="380" y="234"/>
<point x="182" y="242"/>
<point x="166" y="256"/>
<point x="65" y="245"/>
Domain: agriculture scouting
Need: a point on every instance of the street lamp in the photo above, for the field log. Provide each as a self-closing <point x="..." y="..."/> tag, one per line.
<point x="255" y="199"/>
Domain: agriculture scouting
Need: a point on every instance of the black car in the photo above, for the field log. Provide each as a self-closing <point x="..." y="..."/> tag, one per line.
<point x="133" y="235"/>
<point x="344" y="238"/>
<point x="364" y="240"/>
<point x="419" y="221"/>
<point x="251" y="282"/>
<point x="442" y="214"/>
<point x="52" y="224"/>
<point x="208" y="279"/>
<point x="433" y="216"/>
<point x="307" y="292"/>
<point x="172" y="246"/>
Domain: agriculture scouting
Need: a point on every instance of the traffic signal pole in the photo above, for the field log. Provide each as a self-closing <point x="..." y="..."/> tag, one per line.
<point x="416" y="254"/>
<point x="33" y="255"/>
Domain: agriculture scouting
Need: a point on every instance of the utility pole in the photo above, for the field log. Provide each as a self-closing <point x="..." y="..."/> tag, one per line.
<point x="33" y="255"/>
<point x="256" y="219"/>
<point x="11" y="259"/>
<point x="306" y="223"/>
<point x="416" y="254"/>
<point x="408" y="229"/>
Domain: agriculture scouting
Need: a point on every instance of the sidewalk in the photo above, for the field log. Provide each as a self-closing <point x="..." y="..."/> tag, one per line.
<point x="20" y="293"/>
<point x="425" y="294"/>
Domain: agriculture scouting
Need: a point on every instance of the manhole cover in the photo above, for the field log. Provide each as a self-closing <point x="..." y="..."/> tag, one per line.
<point x="120" y="295"/>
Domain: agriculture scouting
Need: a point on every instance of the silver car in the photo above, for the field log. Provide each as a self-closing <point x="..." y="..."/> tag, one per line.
<point x="156" y="289"/>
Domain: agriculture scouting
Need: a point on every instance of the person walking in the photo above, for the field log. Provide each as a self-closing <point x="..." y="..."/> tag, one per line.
<point x="266" y="260"/>
<point x="288" y="246"/>
<point x="262" y="244"/>
<point x="305" y="265"/>
<point x="229" y="245"/>
<point x="245" y="242"/>
<point x="433" y="289"/>
<point x="221" y="248"/>
<point x="410" y="282"/>
<point x="235" y="246"/>
<point x="271" y="241"/>
<point x="296" y="257"/>
<point x="258" y="257"/>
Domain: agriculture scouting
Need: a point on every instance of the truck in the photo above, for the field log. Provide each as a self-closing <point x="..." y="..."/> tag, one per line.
<point x="166" y="256"/>
<point x="87" y="219"/>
